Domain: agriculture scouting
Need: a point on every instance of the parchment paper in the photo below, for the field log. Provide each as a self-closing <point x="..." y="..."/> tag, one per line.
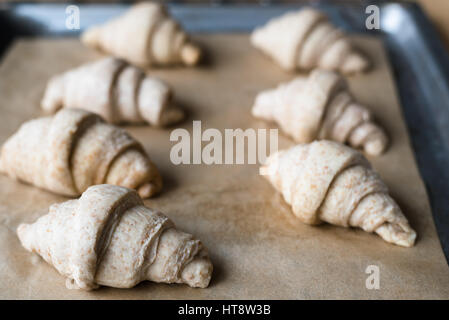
<point x="259" y="249"/>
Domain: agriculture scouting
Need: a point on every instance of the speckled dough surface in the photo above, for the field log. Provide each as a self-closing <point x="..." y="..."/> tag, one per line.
<point x="157" y="39"/>
<point x="304" y="39"/>
<point x="326" y="181"/>
<point x="259" y="249"/>
<point x="115" y="90"/>
<point x="108" y="237"/>
<point x="320" y="107"/>
<point x="74" y="149"/>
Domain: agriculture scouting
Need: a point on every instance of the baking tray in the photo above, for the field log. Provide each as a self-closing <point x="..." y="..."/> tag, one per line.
<point x="419" y="61"/>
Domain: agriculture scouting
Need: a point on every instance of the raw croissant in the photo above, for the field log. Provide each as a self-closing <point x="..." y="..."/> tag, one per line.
<point x="327" y="181"/>
<point x="145" y="35"/>
<point x="74" y="149"/>
<point x="115" y="90"/>
<point x="306" y="39"/>
<point x="108" y="237"/>
<point x="321" y="107"/>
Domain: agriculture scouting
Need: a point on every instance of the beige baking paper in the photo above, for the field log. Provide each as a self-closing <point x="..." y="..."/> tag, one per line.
<point x="259" y="249"/>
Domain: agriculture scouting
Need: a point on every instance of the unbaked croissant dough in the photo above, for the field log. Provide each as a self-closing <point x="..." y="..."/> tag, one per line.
<point x="306" y="39"/>
<point x="145" y="35"/>
<point x="115" y="90"/>
<point x="74" y="149"/>
<point x="108" y="237"/>
<point x="327" y="181"/>
<point x="321" y="107"/>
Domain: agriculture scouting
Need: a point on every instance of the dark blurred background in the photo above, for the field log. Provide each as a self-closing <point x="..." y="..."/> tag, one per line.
<point x="437" y="10"/>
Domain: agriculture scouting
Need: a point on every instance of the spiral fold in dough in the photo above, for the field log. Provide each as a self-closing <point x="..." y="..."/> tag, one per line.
<point x="306" y="39"/>
<point x="325" y="181"/>
<point x="115" y="90"/>
<point x="145" y="36"/>
<point x="74" y="149"/>
<point x="321" y="107"/>
<point x="108" y="237"/>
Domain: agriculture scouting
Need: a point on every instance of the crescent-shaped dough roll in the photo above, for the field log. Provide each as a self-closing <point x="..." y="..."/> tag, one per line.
<point x="75" y="149"/>
<point x="116" y="91"/>
<point x="108" y="237"/>
<point x="321" y="107"/>
<point x="145" y="36"/>
<point x="325" y="181"/>
<point x="306" y="39"/>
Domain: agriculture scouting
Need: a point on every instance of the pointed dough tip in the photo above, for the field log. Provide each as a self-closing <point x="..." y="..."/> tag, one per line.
<point x="190" y="54"/>
<point x="256" y="36"/>
<point x="90" y="36"/>
<point x="375" y="147"/>
<point x="24" y="235"/>
<point x="198" y="272"/>
<point x="53" y="96"/>
<point x="271" y="167"/>
<point x="147" y="190"/>
<point x="171" y="115"/>
<point x="354" y="62"/>
<point x="401" y="235"/>
<point x="264" y="103"/>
